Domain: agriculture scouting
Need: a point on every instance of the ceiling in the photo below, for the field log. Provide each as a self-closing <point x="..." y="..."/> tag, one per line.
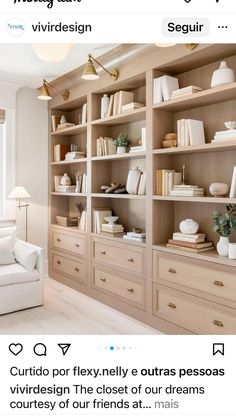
<point x="20" y="65"/>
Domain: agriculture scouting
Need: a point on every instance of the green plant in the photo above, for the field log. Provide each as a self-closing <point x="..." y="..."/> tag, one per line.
<point x="225" y="223"/>
<point x="122" y="140"/>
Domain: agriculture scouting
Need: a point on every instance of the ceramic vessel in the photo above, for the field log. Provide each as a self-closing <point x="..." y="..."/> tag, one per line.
<point x="232" y="250"/>
<point x="121" y="150"/>
<point x="104" y="106"/>
<point x="189" y="226"/>
<point x="111" y="220"/>
<point x="219" y="189"/>
<point x="63" y="119"/>
<point x="223" y="246"/>
<point x="230" y="124"/>
<point x="223" y="75"/>
<point x="65" y="180"/>
<point x="133" y="181"/>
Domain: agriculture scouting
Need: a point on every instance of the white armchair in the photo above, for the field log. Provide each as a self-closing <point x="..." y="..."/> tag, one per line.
<point x="19" y="287"/>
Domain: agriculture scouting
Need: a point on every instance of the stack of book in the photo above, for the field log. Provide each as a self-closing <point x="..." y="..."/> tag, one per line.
<point x="132" y="106"/>
<point x="163" y="88"/>
<point x="59" y="151"/>
<point x="74" y="155"/>
<point x="166" y="181"/>
<point x="64" y="126"/>
<point x="98" y="218"/>
<point x="136" y="149"/>
<point x="190" y="132"/>
<point x="118" y="100"/>
<point x="139" y="237"/>
<point x="113" y="230"/>
<point x="105" y="146"/>
<point x="187" y="190"/>
<point x="189" y="90"/>
<point x="228" y="135"/>
<point x="195" y="243"/>
<point x="66" y="189"/>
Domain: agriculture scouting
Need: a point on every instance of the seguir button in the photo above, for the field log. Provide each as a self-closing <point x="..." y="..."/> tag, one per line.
<point x="185" y="26"/>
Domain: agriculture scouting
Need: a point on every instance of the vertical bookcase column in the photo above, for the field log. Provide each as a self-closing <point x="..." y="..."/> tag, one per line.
<point x="89" y="162"/>
<point x="149" y="189"/>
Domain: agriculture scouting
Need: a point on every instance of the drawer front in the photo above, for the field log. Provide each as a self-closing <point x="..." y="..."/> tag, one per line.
<point x="212" y="281"/>
<point x="125" y="257"/>
<point x="192" y="313"/>
<point x="132" y="291"/>
<point x="69" y="267"/>
<point x="69" y="243"/>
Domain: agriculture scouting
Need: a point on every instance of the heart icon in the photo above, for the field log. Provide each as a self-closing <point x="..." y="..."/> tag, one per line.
<point x="15" y="348"/>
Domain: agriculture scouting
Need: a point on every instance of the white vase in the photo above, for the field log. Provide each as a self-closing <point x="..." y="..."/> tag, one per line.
<point x="223" y="246"/>
<point x="133" y="181"/>
<point x="65" y="180"/>
<point x="121" y="150"/>
<point x="232" y="250"/>
<point x="104" y="106"/>
<point x="189" y="226"/>
<point x="63" y="119"/>
<point x="223" y="75"/>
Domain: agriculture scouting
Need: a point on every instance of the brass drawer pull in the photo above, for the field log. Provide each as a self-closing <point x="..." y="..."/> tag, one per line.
<point x="130" y="260"/>
<point x="172" y="271"/>
<point x="76" y="244"/>
<point x="103" y="279"/>
<point x="77" y="269"/>
<point x="131" y="290"/>
<point x="59" y="240"/>
<point x="58" y="262"/>
<point x="218" y="283"/>
<point x="171" y="305"/>
<point x="103" y="252"/>
<point x="218" y="323"/>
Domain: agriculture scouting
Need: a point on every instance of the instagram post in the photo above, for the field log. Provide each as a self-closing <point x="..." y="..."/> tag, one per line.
<point x="117" y="209"/>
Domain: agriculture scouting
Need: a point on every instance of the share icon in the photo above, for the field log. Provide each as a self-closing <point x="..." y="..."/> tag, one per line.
<point x="64" y="347"/>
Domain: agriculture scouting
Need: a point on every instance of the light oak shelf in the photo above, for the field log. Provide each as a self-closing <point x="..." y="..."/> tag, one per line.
<point x="73" y="229"/>
<point x="140" y="154"/>
<point x="204" y="98"/>
<point x="200" y="199"/>
<point x="68" y="194"/>
<point x="205" y="148"/>
<point x="123" y="118"/>
<point x="210" y="256"/>
<point x="77" y="129"/>
<point x="118" y="240"/>
<point x="66" y="163"/>
<point x="118" y="196"/>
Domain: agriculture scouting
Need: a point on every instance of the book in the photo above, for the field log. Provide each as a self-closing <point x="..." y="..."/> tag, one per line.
<point x="196" y="132"/>
<point x="57" y="182"/>
<point x="196" y="192"/>
<point x="84" y="114"/>
<point x="124" y="98"/>
<point x="183" y="243"/>
<point x="55" y="122"/>
<point x="191" y="238"/>
<point x="137" y="235"/>
<point x="62" y="188"/>
<point x="206" y="249"/>
<point x="137" y="239"/>
<point x="112" y="234"/>
<point x="157" y="91"/>
<point x="110" y="107"/>
<point x="84" y="184"/>
<point x="168" y="85"/>
<point x="65" y="125"/>
<point x="98" y="218"/>
<point x="135" y="149"/>
<point x="166" y="180"/>
<point x="185" y="91"/>
<point x="132" y="106"/>
<point x="232" y="193"/>
<point x="142" y="184"/>
<point x="60" y="151"/>
<point x="224" y="140"/>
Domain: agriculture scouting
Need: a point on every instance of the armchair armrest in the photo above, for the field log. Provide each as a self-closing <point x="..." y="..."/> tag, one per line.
<point x="40" y="259"/>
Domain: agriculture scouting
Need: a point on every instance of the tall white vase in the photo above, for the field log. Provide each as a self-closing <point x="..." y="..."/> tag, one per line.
<point x="223" y="246"/>
<point x="223" y="75"/>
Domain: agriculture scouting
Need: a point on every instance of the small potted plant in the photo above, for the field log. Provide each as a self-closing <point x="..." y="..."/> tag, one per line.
<point x="81" y="206"/>
<point x="223" y="225"/>
<point x="121" y="142"/>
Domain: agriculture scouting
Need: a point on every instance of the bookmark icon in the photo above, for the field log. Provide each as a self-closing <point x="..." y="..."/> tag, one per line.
<point x="64" y="347"/>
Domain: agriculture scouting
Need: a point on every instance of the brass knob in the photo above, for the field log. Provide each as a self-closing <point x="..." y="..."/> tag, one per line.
<point x="58" y="262"/>
<point x="103" y="252"/>
<point x="218" y="323"/>
<point x="103" y="279"/>
<point x="218" y="283"/>
<point x="76" y="244"/>
<point x="171" y="305"/>
<point x="172" y="271"/>
<point x="130" y="260"/>
<point x="58" y="240"/>
<point x="77" y="269"/>
<point x="131" y="290"/>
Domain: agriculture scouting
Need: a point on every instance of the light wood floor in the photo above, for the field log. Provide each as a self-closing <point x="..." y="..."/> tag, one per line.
<point x="68" y="312"/>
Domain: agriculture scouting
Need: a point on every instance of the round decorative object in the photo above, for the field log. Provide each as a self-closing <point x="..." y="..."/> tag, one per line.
<point x="232" y="250"/>
<point x="170" y="136"/>
<point x="65" y="180"/>
<point x="63" y="119"/>
<point x="219" y="189"/>
<point x="111" y="220"/>
<point x="121" y="150"/>
<point x="189" y="226"/>
<point x="223" y="246"/>
<point x="169" y="143"/>
<point x="223" y="75"/>
<point x="230" y="124"/>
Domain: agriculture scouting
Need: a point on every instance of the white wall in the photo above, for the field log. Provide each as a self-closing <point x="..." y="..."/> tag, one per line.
<point x="32" y="164"/>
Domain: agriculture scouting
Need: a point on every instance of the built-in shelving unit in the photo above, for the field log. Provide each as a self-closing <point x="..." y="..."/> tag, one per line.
<point x="158" y="215"/>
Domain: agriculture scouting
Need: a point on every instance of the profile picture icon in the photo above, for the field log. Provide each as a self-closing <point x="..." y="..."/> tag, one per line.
<point x="15" y="27"/>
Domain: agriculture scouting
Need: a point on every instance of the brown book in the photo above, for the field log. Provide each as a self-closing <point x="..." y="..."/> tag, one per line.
<point x="189" y="249"/>
<point x="159" y="182"/>
<point x="60" y="151"/>
<point x="191" y="245"/>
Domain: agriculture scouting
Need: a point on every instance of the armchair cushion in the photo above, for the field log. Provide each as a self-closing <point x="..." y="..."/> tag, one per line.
<point x="6" y="251"/>
<point x="16" y="274"/>
<point x="25" y="254"/>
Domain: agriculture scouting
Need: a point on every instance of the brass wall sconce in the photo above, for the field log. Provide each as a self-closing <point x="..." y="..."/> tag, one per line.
<point x="190" y="47"/>
<point x="45" y="95"/>
<point x="90" y="72"/>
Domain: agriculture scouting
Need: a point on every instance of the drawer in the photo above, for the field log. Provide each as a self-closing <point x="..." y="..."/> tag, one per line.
<point x="193" y="313"/>
<point x="69" y="243"/>
<point x="127" y="289"/>
<point x="216" y="282"/>
<point x="124" y="257"/>
<point x="69" y="267"/>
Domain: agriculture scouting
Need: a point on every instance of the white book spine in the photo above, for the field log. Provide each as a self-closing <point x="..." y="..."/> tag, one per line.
<point x="232" y="193"/>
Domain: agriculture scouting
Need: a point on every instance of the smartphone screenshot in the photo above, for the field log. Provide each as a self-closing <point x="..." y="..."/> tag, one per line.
<point x="117" y="209"/>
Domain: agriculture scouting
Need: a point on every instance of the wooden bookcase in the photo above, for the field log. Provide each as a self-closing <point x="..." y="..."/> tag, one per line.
<point x="153" y="285"/>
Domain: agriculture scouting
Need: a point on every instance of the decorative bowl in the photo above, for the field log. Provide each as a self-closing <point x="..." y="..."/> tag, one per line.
<point x="219" y="189"/>
<point x="189" y="226"/>
<point x="230" y="124"/>
<point x="111" y="220"/>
